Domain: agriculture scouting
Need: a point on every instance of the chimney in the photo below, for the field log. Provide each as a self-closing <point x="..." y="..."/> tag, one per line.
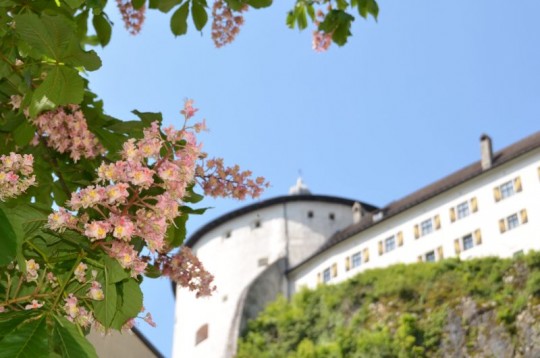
<point x="356" y="212"/>
<point x="486" y="152"/>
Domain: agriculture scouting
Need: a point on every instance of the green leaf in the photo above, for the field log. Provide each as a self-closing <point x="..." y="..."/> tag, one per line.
<point x="5" y="69"/>
<point x="28" y="340"/>
<point x="105" y="309"/>
<point x="10" y="320"/>
<point x="48" y="40"/>
<point x="137" y="4"/>
<point x="55" y="37"/>
<point x="110" y="140"/>
<point x="311" y="11"/>
<point x="74" y="4"/>
<point x="134" y="128"/>
<point x="24" y="133"/>
<point x="115" y="271"/>
<point x="152" y="271"/>
<point x="366" y="7"/>
<point x="179" y="20"/>
<point x="176" y="234"/>
<point x="164" y="5"/>
<point x="72" y="344"/>
<point x="60" y="196"/>
<point x="199" y="15"/>
<point x="88" y="59"/>
<point x="291" y="19"/>
<point x="301" y="16"/>
<point x="132" y="298"/>
<point x="342" y="31"/>
<point x="8" y="240"/>
<point x="149" y="117"/>
<point x="103" y="28"/>
<point x="130" y="302"/>
<point x="338" y="23"/>
<point x="191" y="196"/>
<point x="342" y="4"/>
<point x="82" y="23"/>
<point x="62" y="86"/>
<point x="235" y="5"/>
<point x="190" y="211"/>
<point x="257" y="4"/>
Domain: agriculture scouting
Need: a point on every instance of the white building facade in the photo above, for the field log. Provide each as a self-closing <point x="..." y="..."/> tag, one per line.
<point x="490" y="208"/>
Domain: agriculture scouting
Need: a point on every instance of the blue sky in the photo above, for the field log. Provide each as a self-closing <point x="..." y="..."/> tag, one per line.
<point x="401" y="105"/>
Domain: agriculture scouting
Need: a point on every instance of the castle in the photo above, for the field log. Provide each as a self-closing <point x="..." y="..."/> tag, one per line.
<point x="277" y="246"/>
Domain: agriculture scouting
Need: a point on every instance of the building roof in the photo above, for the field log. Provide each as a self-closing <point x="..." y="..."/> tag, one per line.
<point x="266" y="203"/>
<point x="459" y="177"/>
<point x="147" y="343"/>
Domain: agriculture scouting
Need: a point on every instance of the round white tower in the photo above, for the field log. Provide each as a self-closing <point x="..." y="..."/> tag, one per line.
<point x="249" y="251"/>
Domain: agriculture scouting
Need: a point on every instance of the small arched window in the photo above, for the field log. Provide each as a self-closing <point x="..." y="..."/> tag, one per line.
<point x="202" y="334"/>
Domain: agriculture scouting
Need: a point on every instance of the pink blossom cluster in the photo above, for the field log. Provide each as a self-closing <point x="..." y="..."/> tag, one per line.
<point x="76" y="313"/>
<point x="217" y="180"/>
<point x="188" y="271"/>
<point x="133" y="18"/>
<point x="65" y="129"/>
<point x="121" y="205"/>
<point x="80" y="272"/>
<point x="32" y="268"/>
<point x="34" y="305"/>
<point x="140" y="196"/>
<point x="321" y="40"/>
<point x="15" y="174"/>
<point x="225" y="24"/>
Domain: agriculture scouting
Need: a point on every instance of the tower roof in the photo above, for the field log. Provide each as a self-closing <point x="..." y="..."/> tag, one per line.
<point x="299" y="188"/>
<point x="267" y="203"/>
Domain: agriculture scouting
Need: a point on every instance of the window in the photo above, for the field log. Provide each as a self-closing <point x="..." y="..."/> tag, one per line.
<point x="426" y="227"/>
<point x="507" y="189"/>
<point x="389" y="244"/>
<point x="326" y="275"/>
<point x="512" y="221"/>
<point x="257" y="224"/>
<point x="332" y="216"/>
<point x="310" y="214"/>
<point x="467" y="242"/>
<point x="356" y="259"/>
<point x="202" y="334"/>
<point x="228" y="234"/>
<point x="463" y="210"/>
<point x="263" y="261"/>
<point x="430" y="256"/>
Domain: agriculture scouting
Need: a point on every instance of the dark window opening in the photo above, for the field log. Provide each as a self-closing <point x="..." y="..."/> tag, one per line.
<point x="202" y="334"/>
<point x="430" y="256"/>
<point x="310" y="214"/>
<point x="332" y="216"/>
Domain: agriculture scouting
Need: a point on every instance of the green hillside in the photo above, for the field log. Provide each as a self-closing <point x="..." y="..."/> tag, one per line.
<point x="484" y="307"/>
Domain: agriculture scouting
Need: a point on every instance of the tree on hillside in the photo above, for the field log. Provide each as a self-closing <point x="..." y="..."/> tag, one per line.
<point x="90" y="204"/>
